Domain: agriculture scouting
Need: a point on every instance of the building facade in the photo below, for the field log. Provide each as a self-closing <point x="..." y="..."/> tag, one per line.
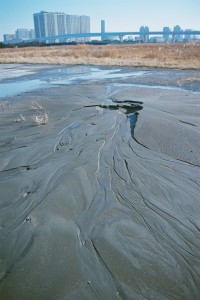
<point x="22" y="34"/>
<point x="31" y="34"/>
<point x="166" y="34"/>
<point x="144" y="36"/>
<point x="85" y="27"/>
<point x="7" y="38"/>
<point x="178" y="37"/>
<point x="52" y="24"/>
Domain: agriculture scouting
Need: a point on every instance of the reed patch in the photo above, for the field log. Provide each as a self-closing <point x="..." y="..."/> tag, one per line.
<point x="178" y="55"/>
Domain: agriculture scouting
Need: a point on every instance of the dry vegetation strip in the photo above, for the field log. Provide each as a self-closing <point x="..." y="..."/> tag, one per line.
<point x="183" y="56"/>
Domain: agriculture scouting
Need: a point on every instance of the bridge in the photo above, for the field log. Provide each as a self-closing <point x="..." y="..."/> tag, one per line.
<point x="105" y="35"/>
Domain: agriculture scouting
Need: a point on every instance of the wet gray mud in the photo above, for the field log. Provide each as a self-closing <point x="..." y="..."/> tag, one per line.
<point x="102" y="202"/>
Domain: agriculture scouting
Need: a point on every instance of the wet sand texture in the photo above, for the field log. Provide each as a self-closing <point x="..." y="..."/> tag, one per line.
<point x="101" y="202"/>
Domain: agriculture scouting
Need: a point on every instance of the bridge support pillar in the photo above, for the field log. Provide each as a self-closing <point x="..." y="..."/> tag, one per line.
<point x="173" y="38"/>
<point x="121" y="38"/>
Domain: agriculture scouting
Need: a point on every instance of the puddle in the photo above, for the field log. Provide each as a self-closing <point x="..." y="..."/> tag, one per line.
<point x="14" y="88"/>
<point x="62" y="76"/>
<point x="8" y="71"/>
<point x="70" y="75"/>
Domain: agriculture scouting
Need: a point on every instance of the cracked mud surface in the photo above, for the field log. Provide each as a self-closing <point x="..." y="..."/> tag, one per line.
<point x="102" y="202"/>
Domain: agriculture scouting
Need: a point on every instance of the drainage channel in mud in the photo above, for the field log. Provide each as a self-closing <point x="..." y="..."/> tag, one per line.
<point x="128" y="107"/>
<point x="133" y="119"/>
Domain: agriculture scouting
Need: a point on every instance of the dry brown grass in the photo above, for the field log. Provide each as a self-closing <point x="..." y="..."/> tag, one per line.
<point x="41" y="119"/>
<point x="4" y="105"/>
<point x="183" y="56"/>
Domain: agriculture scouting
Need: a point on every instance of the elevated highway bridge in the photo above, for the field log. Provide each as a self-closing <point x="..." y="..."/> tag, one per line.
<point x="116" y="34"/>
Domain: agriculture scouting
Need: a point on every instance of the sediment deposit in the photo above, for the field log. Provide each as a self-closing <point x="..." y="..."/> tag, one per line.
<point x="101" y="202"/>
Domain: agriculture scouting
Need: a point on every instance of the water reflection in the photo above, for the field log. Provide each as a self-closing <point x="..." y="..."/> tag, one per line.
<point x="14" y="88"/>
<point x="63" y="76"/>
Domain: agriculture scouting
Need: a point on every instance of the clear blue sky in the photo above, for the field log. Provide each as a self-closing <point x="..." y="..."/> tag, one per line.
<point x="120" y="15"/>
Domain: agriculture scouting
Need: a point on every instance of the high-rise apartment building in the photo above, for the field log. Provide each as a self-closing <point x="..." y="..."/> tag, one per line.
<point x="178" y="37"/>
<point x="166" y="34"/>
<point x="144" y="36"/>
<point x="85" y="26"/>
<point x="52" y="24"/>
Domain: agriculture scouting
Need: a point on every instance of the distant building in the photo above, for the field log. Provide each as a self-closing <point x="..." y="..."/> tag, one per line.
<point x="130" y="38"/>
<point x="103" y="30"/>
<point x="22" y="34"/>
<point x="49" y="24"/>
<point x="178" y="37"/>
<point x="7" y="38"/>
<point x="188" y="36"/>
<point x="177" y="28"/>
<point x="144" y="36"/>
<point x="156" y="39"/>
<point x="137" y="39"/>
<point x="85" y="27"/>
<point x="31" y="34"/>
<point x="55" y="23"/>
<point x="166" y="34"/>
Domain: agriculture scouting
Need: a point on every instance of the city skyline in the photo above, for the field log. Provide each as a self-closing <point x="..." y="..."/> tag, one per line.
<point x="120" y="15"/>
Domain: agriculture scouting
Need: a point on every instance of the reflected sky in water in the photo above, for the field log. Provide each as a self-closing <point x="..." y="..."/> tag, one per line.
<point x="61" y="76"/>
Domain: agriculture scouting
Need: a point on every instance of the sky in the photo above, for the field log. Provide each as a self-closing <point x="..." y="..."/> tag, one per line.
<point x="119" y="15"/>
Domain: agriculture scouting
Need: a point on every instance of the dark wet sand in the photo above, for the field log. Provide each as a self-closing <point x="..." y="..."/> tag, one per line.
<point x="101" y="203"/>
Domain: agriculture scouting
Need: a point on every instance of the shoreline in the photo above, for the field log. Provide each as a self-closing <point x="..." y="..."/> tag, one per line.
<point x="102" y="64"/>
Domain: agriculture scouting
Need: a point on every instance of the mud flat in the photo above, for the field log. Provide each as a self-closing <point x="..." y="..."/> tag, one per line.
<point x="101" y="202"/>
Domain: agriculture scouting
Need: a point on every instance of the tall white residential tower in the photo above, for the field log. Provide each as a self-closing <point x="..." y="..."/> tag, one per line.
<point x="55" y="23"/>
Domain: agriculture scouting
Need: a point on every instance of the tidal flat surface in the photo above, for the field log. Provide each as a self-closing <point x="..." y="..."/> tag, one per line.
<point x="103" y="201"/>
